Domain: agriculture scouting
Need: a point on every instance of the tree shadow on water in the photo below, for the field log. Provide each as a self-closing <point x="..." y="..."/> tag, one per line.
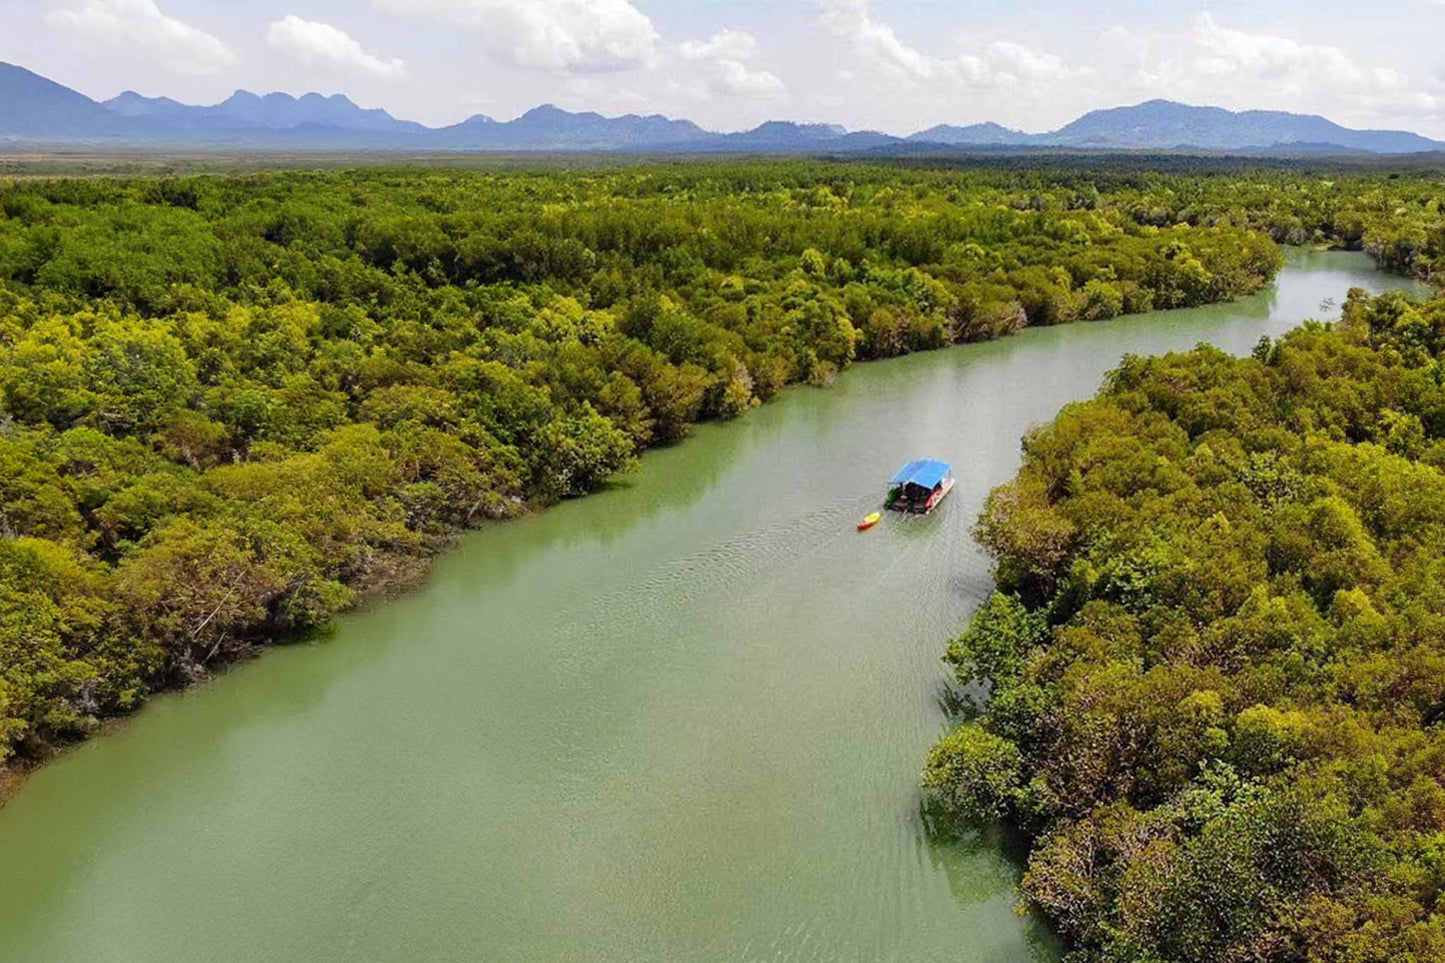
<point x="984" y="862"/>
<point x="959" y="704"/>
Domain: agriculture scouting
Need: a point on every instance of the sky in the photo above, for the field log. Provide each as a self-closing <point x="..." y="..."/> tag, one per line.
<point x="891" y="65"/>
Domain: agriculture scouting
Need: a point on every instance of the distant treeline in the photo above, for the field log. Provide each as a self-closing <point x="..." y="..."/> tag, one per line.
<point x="1215" y="667"/>
<point x="229" y="404"/>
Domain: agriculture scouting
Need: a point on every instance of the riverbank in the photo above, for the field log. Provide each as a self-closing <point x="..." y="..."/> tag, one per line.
<point x="1219" y="612"/>
<point x="387" y="575"/>
<point x="318" y="379"/>
<point x="678" y="719"/>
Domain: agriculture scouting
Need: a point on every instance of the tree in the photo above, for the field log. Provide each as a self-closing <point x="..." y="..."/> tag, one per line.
<point x="140" y="373"/>
<point x="974" y="772"/>
<point x="579" y="452"/>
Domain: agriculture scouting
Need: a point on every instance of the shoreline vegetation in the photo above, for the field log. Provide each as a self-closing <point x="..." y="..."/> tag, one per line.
<point x="1210" y="685"/>
<point x="231" y="405"/>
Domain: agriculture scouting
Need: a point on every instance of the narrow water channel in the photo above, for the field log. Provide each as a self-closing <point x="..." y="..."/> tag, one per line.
<point x="678" y="721"/>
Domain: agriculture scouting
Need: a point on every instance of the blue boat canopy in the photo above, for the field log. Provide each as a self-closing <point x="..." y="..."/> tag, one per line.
<point x="923" y="472"/>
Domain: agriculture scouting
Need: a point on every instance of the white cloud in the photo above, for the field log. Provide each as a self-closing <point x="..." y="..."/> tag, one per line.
<point x="733" y="44"/>
<point x="1215" y="63"/>
<point x="741" y="80"/>
<point x="722" y="63"/>
<point x="1220" y="52"/>
<point x="558" y="35"/>
<point x="998" y="64"/>
<point x="139" y="27"/>
<point x="1016" y="63"/>
<point x="321" y="44"/>
<point x="852" y="21"/>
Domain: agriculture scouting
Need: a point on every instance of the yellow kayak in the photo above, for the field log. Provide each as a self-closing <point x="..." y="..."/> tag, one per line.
<point x="870" y="521"/>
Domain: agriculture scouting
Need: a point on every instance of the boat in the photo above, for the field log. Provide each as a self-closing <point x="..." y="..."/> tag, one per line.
<point x="920" y="485"/>
<point x="870" y="521"/>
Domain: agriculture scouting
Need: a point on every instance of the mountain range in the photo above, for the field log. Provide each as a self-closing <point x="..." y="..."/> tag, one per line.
<point x="35" y="111"/>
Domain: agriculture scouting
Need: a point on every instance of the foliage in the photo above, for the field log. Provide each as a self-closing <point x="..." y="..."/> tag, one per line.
<point x="1215" y="668"/>
<point x="229" y="404"/>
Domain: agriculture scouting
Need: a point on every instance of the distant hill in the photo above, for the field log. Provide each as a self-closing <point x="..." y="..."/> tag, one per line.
<point x="245" y="110"/>
<point x="975" y="135"/>
<point x="31" y="106"/>
<point x="551" y="128"/>
<point x="132" y="104"/>
<point x="1165" y="125"/>
<point x="786" y="136"/>
<point x="37" y="111"/>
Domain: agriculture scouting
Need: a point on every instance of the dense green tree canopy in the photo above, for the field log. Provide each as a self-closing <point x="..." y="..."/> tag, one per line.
<point x="1213" y="677"/>
<point x="228" y="405"/>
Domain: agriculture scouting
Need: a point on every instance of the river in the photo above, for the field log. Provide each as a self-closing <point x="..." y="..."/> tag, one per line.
<point x="681" y="720"/>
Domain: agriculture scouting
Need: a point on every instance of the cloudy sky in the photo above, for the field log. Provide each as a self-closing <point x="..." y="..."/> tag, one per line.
<point x="892" y="65"/>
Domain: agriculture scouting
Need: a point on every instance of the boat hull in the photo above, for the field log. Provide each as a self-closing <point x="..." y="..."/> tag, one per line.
<point x="938" y="496"/>
<point x="900" y="504"/>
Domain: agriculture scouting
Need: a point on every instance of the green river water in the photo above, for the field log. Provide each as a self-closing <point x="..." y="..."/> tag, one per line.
<point x="681" y="720"/>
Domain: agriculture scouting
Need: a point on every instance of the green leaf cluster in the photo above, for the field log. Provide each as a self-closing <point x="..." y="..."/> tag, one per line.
<point x="1211" y="687"/>
<point x="229" y="405"/>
